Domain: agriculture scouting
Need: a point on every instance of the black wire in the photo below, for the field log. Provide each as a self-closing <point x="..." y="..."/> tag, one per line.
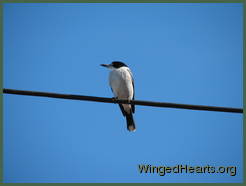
<point x="112" y="100"/>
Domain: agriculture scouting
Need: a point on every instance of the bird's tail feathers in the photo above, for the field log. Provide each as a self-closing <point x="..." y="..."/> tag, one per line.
<point x="130" y="122"/>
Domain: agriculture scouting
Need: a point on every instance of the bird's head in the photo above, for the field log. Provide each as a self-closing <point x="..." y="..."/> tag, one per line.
<point x="114" y="65"/>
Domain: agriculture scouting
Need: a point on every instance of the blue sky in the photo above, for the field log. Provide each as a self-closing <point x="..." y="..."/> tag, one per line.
<point x="181" y="53"/>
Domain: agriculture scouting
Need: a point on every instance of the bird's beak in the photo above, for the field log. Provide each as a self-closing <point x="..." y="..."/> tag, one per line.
<point x="104" y="65"/>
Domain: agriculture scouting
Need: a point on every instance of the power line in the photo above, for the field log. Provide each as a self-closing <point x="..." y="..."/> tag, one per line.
<point x="112" y="100"/>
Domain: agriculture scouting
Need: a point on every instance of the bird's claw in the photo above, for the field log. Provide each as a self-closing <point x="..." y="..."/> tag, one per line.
<point x="114" y="99"/>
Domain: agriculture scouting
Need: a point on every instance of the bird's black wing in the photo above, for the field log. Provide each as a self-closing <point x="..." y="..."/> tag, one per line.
<point x="122" y="110"/>
<point x="133" y="106"/>
<point x="133" y="98"/>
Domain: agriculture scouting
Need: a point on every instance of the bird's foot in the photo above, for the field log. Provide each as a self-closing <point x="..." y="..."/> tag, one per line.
<point x="114" y="99"/>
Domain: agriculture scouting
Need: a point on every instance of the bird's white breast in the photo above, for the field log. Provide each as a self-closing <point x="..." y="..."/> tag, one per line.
<point x="120" y="81"/>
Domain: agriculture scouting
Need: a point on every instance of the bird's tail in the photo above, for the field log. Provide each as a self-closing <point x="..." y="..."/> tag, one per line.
<point x="130" y="122"/>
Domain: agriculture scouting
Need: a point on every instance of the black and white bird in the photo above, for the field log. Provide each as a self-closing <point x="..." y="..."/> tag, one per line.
<point x="122" y="85"/>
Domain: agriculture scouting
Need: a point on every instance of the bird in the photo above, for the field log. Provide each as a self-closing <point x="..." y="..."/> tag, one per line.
<point x="122" y="85"/>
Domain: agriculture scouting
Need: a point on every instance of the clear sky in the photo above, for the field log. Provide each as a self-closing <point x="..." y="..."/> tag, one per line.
<point x="181" y="53"/>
